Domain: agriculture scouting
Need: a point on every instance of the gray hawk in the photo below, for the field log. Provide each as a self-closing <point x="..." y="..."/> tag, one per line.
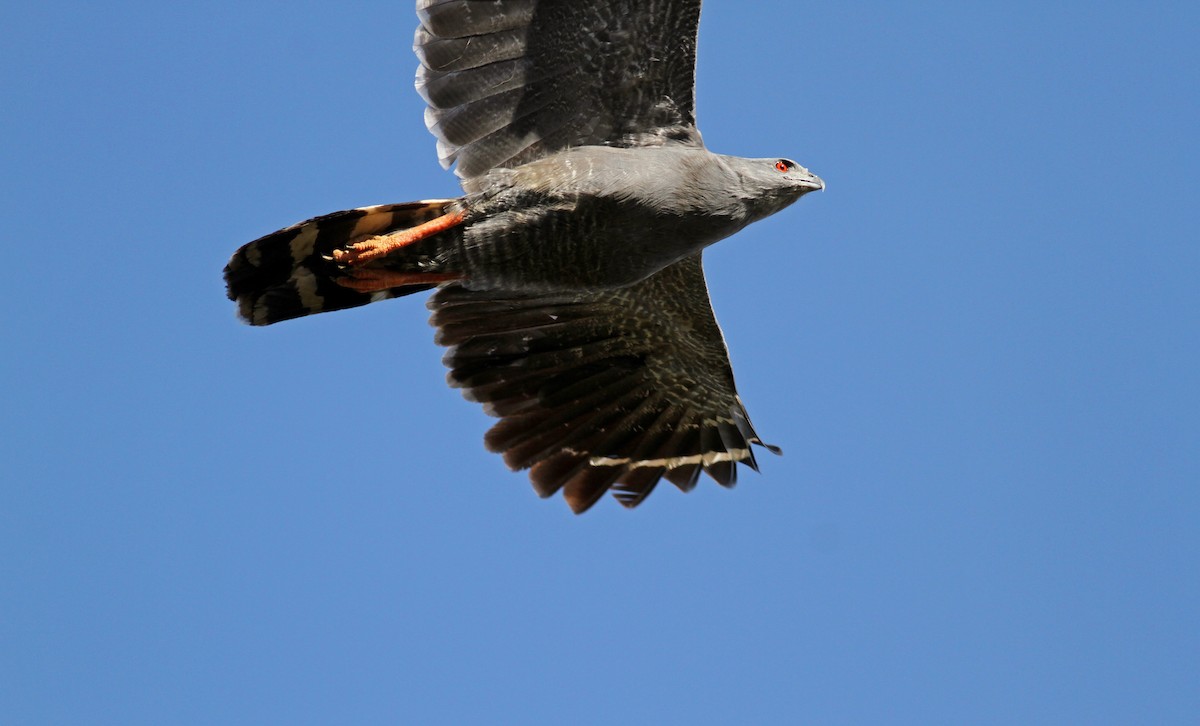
<point x="569" y="287"/>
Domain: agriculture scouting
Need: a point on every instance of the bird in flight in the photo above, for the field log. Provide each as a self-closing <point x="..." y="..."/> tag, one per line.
<point x="568" y="281"/>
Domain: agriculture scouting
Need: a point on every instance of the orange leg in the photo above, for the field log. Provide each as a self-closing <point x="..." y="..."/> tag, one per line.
<point x="377" y="280"/>
<point x="373" y="248"/>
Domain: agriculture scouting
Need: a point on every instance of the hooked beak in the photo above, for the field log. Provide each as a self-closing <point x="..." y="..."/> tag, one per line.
<point x="809" y="181"/>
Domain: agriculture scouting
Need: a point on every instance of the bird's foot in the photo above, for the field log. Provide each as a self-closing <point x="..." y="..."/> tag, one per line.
<point x="374" y="280"/>
<point x="380" y="246"/>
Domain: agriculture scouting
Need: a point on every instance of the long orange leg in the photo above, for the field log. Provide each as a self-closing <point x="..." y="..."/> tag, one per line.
<point x="377" y="280"/>
<point x="374" y="248"/>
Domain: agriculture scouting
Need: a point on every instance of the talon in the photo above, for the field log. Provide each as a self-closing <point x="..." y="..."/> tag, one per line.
<point x="373" y="248"/>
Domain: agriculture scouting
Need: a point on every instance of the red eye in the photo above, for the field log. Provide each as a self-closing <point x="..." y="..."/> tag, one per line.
<point x="782" y="166"/>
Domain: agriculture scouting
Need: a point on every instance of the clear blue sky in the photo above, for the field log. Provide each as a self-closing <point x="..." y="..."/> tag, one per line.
<point x="978" y="348"/>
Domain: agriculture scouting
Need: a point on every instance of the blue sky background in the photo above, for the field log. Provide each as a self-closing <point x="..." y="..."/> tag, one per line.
<point x="978" y="348"/>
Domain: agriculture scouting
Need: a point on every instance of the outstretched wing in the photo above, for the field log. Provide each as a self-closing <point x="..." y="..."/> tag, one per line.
<point x="509" y="81"/>
<point x="602" y="390"/>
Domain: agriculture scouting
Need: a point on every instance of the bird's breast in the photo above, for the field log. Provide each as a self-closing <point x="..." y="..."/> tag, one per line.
<point x="538" y="242"/>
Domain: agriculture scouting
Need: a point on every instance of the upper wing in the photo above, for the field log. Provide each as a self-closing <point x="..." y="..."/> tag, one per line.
<point x="508" y="81"/>
<point x="598" y="390"/>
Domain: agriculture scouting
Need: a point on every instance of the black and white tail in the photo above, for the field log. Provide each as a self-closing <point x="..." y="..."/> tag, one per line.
<point x="291" y="273"/>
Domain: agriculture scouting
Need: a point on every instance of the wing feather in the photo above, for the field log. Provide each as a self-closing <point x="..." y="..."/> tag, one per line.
<point x="601" y="390"/>
<point x="508" y="81"/>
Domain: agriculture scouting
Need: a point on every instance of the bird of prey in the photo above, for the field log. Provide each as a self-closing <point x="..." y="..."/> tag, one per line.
<point x="569" y="287"/>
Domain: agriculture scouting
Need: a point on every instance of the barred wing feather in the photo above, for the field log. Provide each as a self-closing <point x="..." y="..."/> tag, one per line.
<point x="509" y="81"/>
<point x="614" y="389"/>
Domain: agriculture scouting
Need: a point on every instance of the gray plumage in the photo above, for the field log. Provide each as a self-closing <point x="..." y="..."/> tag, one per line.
<point x="570" y="288"/>
<point x="513" y="81"/>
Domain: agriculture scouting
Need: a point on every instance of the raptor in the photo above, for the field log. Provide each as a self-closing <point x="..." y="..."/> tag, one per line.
<point x="568" y="281"/>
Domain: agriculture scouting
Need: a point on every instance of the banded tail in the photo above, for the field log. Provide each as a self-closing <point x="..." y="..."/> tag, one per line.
<point x="291" y="273"/>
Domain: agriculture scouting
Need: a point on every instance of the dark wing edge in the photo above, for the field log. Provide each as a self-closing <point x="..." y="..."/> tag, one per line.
<point x="510" y="81"/>
<point x="597" y="391"/>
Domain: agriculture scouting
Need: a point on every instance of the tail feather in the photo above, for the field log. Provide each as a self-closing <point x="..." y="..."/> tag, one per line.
<point x="290" y="273"/>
